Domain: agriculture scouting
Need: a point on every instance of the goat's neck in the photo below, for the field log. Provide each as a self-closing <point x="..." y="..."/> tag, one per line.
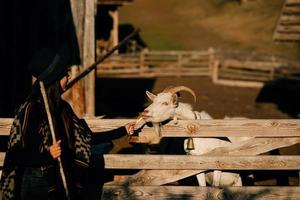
<point x="184" y="111"/>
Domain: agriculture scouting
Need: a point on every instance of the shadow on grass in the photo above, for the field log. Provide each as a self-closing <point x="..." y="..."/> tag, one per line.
<point x="284" y="93"/>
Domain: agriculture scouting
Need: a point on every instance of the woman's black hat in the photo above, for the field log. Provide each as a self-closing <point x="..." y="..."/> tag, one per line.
<point x="49" y="66"/>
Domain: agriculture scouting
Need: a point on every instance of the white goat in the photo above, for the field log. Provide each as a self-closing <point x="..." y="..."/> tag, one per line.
<point x="165" y="106"/>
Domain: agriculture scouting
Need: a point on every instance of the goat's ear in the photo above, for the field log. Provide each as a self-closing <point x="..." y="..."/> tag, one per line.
<point x="175" y="100"/>
<point x="150" y="95"/>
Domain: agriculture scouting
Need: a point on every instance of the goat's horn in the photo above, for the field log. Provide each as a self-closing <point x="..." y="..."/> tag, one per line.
<point x="176" y="89"/>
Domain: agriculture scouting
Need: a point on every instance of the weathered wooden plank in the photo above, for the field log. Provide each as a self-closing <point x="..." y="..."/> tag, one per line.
<point x="120" y="59"/>
<point x="195" y="65"/>
<point x="179" y="71"/>
<point x="205" y="162"/>
<point x="124" y="161"/>
<point x="2" y="155"/>
<point x="253" y="146"/>
<point x="243" y="76"/>
<point x="287" y="37"/>
<point x="232" y="127"/>
<point x="118" y="71"/>
<point x="133" y="75"/>
<point x="161" y="58"/>
<point x="97" y="125"/>
<point x="239" y="83"/>
<point x="255" y="65"/>
<point x="199" y="193"/>
<point x="89" y="56"/>
<point x="195" y="73"/>
<point x="5" y="124"/>
<point x="291" y="10"/>
<point x="76" y="93"/>
<point x="119" y="64"/>
<point x="289" y="29"/>
<point x="190" y="59"/>
<point x="292" y="2"/>
<point x="258" y="65"/>
<point x="200" y="128"/>
<point x="245" y="71"/>
<point x="290" y="19"/>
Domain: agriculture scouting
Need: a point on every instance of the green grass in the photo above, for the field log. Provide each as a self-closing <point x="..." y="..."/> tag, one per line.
<point x="200" y="24"/>
<point x="159" y="41"/>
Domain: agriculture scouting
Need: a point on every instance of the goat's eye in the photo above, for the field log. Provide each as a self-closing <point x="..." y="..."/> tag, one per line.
<point x="165" y="103"/>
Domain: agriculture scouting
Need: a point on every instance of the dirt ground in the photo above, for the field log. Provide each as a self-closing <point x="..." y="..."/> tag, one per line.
<point x="221" y="100"/>
<point x="125" y="98"/>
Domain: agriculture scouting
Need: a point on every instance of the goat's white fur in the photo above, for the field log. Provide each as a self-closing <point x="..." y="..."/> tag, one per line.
<point x="163" y="108"/>
<point x="204" y="145"/>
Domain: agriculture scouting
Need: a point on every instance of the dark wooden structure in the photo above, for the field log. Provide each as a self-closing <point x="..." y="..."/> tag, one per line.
<point x="288" y="25"/>
<point x="82" y="95"/>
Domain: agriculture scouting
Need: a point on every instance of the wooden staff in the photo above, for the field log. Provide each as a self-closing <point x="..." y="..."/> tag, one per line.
<point x="94" y="65"/>
<point x="61" y="170"/>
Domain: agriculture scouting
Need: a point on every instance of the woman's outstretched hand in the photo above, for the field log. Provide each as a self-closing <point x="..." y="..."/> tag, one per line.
<point x="55" y="150"/>
<point x="130" y="128"/>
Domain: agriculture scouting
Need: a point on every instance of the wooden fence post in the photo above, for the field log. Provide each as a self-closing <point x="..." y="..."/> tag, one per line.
<point x="179" y="64"/>
<point x="89" y="55"/>
<point x="142" y="63"/>
<point x="215" y="71"/>
<point x="211" y="53"/>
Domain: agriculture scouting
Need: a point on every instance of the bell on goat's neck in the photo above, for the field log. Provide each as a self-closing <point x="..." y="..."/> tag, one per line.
<point x="190" y="144"/>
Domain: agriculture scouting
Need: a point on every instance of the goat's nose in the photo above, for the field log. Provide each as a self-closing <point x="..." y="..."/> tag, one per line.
<point x="144" y="114"/>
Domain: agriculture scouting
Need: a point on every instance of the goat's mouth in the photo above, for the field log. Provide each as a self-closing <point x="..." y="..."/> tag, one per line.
<point x="145" y="117"/>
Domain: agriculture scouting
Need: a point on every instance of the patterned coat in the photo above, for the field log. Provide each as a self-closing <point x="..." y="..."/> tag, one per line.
<point x="11" y="174"/>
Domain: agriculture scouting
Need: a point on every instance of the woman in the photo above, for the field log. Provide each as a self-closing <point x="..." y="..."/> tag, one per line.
<point x="30" y="168"/>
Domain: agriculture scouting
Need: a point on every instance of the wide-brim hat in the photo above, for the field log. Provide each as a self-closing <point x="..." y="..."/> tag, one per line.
<point x="48" y="66"/>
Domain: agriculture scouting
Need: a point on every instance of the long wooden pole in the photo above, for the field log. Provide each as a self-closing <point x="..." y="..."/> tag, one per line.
<point x="62" y="173"/>
<point x="94" y="65"/>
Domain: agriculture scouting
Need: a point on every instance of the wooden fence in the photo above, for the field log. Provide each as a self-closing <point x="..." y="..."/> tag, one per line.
<point x="223" y="69"/>
<point x="158" y="170"/>
<point x="157" y="64"/>
<point x="251" y="73"/>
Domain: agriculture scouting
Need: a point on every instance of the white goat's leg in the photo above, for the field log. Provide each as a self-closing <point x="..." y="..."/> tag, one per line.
<point x="216" y="178"/>
<point x="201" y="179"/>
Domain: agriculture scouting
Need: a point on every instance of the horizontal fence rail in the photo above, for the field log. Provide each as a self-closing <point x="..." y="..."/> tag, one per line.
<point x="199" y="128"/>
<point x="184" y="162"/>
<point x="200" y="193"/>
